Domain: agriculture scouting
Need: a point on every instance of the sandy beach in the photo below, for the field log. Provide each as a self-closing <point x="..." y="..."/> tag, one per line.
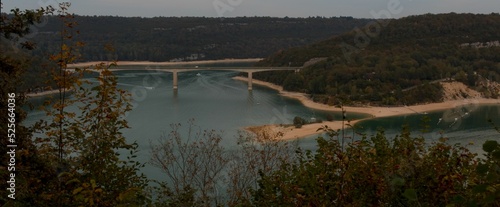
<point x="289" y="132"/>
<point x="311" y="129"/>
<point x="44" y="93"/>
<point x="144" y="63"/>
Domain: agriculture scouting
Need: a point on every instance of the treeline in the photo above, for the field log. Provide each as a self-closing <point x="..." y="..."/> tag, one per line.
<point x="174" y="39"/>
<point x="189" y="38"/>
<point x="378" y="63"/>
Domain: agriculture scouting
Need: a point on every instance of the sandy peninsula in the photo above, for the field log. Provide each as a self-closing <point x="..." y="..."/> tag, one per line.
<point x="311" y="129"/>
<point x="289" y="132"/>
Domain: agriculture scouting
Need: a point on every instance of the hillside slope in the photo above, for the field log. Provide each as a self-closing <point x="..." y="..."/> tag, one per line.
<point x="378" y="62"/>
<point x="191" y="38"/>
<point x="174" y="38"/>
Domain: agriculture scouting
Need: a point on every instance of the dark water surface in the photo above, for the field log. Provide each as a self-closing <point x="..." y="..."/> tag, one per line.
<point x="211" y="98"/>
<point x="215" y="101"/>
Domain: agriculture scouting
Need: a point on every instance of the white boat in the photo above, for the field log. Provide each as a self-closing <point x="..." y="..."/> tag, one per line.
<point x="199" y="74"/>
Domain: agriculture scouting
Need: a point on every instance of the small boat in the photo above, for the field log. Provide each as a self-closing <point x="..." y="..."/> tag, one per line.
<point x="198" y="74"/>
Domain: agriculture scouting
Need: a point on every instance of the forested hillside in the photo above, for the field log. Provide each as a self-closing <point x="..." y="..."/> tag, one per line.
<point x="175" y="38"/>
<point x="192" y="38"/>
<point x="397" y="61"/>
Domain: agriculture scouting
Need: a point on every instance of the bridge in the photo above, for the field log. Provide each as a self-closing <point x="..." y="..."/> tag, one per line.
<point x="176" y="70"/>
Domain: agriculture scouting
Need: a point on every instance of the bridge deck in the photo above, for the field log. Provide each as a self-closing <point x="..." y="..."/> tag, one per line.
<point x="183" y="69"/>
<point x="176" y="70"/>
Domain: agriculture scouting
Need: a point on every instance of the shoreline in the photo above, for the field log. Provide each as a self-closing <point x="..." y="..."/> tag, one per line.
<point x="375" y="112"/>
<point x="145" y="63"/>
<point x="289" y="132"/>
<point x="43" y="93"/>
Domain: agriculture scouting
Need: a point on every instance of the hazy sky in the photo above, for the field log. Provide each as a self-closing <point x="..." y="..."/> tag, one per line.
<point x="280" y="8"/>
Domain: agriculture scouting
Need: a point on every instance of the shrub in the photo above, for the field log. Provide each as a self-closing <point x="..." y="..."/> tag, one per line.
<point x="329" y="117"/>
<point x="377" y="171"/>
<point x="298" y="122"/>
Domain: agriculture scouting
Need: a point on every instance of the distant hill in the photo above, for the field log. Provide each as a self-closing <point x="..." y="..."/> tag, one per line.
<point x="191" y="38"/>
<point x="395" y="62"/>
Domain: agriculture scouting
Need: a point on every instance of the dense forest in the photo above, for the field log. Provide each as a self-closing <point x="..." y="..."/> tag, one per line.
<point x="192" y="38"/>
<point x="401" y="61"/>
<point x="176" y="38"/>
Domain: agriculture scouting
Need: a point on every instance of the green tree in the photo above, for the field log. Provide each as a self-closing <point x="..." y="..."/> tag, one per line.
<point x="294" y="82"/>
<point x="370" y="171"/>
<point x="30" y="168"/>
<point x="84" y="146"/>
<point x="104" y="177"/>
<point x="485" y="188"/>
<point x="298" y="122"/>
<point x="317" y="86"/>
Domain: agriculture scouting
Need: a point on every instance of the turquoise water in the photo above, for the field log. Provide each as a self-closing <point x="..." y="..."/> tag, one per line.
<point x="465" y="124"/>
<point x="215" y="101"/>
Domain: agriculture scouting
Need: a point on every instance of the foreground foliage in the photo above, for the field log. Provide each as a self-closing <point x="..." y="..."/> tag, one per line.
<point x="29" y="168"/>
<point x="199" y="171"/>
<point x="376" y="171"/>
<point x="71" y="158"/>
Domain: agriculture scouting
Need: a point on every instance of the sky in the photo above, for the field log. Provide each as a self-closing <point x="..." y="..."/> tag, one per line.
<point x="274" y="8"/>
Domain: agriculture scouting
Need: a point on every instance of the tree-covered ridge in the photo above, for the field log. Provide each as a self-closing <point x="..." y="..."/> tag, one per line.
<point x="382" y="62"/>
<point x="188" y="38"/>
<point x="176" y="38"/>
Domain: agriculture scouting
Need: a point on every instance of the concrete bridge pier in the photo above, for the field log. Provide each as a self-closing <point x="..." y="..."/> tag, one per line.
<point x="174" y="74"/>
<point x="250" y="81"/>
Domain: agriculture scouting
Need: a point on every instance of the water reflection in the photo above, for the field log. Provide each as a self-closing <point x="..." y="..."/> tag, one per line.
<point x="175" y="95"/>
<point x="250" y="98"/>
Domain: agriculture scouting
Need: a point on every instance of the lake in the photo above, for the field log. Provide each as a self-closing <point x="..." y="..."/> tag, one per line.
<point x="212" y="99"/>
<point x="216" y="101"/>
